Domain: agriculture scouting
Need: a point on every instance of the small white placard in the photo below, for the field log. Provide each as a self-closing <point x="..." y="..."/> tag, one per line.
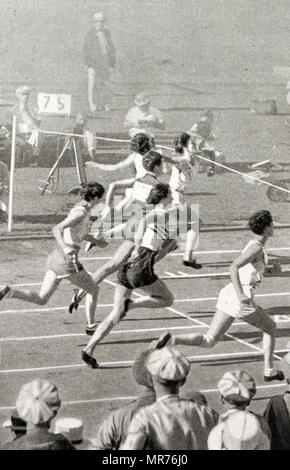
<point x="54" y="103"/>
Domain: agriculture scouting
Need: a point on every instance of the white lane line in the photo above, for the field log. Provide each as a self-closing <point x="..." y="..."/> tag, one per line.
<point x="117" y="332"/>
<point x="182" y="273"/>
<point x="197" y="299"/>
<point x="210" y="252"/>
<point x="112" y="364"/>
<point x="169" y="273"/>
<point x="120" y="332"/>
<point x="112" y="399"/>
<point x="238" y="340"/>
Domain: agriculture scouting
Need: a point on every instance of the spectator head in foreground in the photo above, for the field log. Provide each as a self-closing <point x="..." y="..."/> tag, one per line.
<point x="16" y="425"/>
<point x="169" y="369"/>
<point x="38" y="403"/>
<point x="237" y="389"/>
<point x="241" y="431"/>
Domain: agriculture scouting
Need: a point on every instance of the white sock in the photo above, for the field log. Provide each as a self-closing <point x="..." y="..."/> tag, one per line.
<point x="269" y="372"/>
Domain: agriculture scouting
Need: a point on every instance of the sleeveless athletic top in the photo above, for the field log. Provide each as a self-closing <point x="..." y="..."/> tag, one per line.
<point x="74" y="235"/>
<point x="138" y="162"/>
<point x="157" y="231"/>
<point x="252" y="273"/>
<point x="179" y="179"/>
<point x="143" y="186"/>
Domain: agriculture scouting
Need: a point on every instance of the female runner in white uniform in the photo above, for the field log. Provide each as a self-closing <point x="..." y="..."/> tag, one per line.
<point x="182" y="178"/>
<point x="152" y="163"/>
<point x="140" y="144"/>
<point x="152" y="244"/>
<point x="63" y="262"/>
<point x="236" y="299"/>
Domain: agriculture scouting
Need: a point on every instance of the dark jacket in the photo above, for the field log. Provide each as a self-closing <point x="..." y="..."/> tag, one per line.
<point x="277" y="417"/>
<point x="113" y="432"/>
<point x="39" y="439"/>
<point x="93" y="52"/>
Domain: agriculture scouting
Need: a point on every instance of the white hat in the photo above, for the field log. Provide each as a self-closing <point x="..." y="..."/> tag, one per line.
<point x="71" y="428"/>
<point x="241" y="431"/>
<point x="238" y="386"/>
<point x="168" y="364"/>
<point x="38" y="402"/>
<point x="99" y="16"/>
<point x="22" y="90"/>
<point x="141" y="99"/>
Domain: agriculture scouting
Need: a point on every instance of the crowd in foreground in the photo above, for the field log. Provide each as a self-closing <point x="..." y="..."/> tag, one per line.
<point x="162" y="417"/>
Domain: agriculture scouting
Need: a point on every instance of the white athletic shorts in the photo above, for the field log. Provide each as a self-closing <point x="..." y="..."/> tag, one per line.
<point x="228" y="302"/>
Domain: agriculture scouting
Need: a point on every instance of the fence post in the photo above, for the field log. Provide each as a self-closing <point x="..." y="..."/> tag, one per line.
<point x="12" y="170"/>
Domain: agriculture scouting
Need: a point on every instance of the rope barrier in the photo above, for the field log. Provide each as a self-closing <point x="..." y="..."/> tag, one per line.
<point x="211" y="162"/>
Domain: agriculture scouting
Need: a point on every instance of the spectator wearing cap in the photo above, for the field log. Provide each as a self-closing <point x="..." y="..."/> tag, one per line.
<point x="112" y="433"/>
<point x="100" y="58"/>
<point x="27" y="125"/>
<point x="277" y="413"/>
<point x="143" y="117"/>
<point x="237" y="388"/>
<point x="241" y="431"/>
<point x="170" y="423"/>
<point x="37" y="404"/>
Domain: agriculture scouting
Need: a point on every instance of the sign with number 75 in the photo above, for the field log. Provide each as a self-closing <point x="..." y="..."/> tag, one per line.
<point x="54" y="103"/>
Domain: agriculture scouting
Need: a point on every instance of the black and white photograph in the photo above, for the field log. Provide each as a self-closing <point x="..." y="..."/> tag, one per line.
<point x="144" y="227"/>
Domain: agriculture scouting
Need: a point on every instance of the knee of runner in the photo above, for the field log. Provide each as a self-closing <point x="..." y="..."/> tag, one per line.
<point x="271" y="328"/>
<point x="208" y="341"/>
<point x="42" y="300"/>
<point x="118" y="317"/>
<point x="165" y="301"/>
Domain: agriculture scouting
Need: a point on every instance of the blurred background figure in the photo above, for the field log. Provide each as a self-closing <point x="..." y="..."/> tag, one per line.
<point x="27" y="122"/>
<point x="241" y="431"/>
<point x="100" y="58"/>
<point x="86" y="145"/>
<point x="143" y="117"/>
<point x="37" y="404"/>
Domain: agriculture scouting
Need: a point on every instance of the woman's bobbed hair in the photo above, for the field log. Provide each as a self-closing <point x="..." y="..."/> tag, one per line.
<point x="89" y="191"/>
<point x="260" y="221"/>
<point x="159" y="192"/>
<point x="181" y="142"/>
<point x="141" y="143"/>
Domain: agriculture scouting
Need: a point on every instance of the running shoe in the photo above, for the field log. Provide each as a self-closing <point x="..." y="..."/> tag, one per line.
<point x="90" y="360"/>
<point x="278" y="376"/>
<point x="90" y="329"/>
<point x="74" y="304"/>
<point x="162" y="341"/>
<point x="192" y="264"/>
<point x="4" y="292"/>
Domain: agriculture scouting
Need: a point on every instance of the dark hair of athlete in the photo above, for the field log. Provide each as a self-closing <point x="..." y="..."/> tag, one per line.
<point x="260" y="221"/>
<point x="151" y="159"/>
<point x="159" y="192"/>
<point x="181" y="142"/>
<point x="90" y="191"/>
<point x="141" y="143"/>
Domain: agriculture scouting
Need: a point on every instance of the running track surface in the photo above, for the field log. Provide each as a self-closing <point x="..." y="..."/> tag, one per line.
<point x="46" y="341"/>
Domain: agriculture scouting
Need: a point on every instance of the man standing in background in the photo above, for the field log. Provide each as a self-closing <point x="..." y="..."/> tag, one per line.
<point x="100" y="57"/>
